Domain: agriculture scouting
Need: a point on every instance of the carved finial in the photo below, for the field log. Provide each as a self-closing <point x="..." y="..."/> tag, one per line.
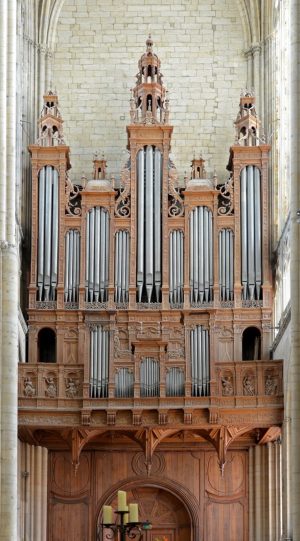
<point x="149" y="44"/>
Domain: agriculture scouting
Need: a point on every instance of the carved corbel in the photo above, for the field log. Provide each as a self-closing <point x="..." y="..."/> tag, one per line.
<point x="221" y="438"/>
<point x="148" y="439"/>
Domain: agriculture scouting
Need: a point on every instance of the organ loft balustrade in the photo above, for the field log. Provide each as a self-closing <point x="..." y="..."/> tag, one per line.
<point x="150" y="298"/>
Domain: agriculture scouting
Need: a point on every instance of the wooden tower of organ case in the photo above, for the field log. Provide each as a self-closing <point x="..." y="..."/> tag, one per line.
<point x="150" y="312"/>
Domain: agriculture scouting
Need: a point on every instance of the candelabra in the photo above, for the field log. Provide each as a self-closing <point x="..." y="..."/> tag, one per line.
<point x="127" y="524"/>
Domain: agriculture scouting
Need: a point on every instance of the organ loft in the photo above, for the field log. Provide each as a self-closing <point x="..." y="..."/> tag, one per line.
<point x="150" y="317"/>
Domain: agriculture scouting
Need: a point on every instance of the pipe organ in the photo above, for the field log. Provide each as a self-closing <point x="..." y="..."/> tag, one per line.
<point x="99" y="362"/>
<point x="151" y="287"/>
<point x="47" y="233"/>
<point x="149" y="260"/>
<point x="226" y="264"/>
<point x="122" y="249"/>
<point x="251" y="232"/>
<point x="149" y="377"/>
<point x="200" y="367"/>
<point x="72" y="265"/>
<point x="97" y="248"/>
<point x="201" y="255"/>
<point x="176" y="265"/>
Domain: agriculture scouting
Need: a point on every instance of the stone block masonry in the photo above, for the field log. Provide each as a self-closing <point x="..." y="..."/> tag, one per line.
<point x="200" y="44"/>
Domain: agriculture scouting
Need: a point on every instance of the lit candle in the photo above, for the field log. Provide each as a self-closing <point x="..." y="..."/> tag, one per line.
<point x="133" y="512"/>
<point x="107" y="514"/>
<point x="122" y="505"/>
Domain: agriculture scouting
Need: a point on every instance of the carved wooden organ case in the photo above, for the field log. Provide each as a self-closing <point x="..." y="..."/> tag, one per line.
<point x="149" y="295"/>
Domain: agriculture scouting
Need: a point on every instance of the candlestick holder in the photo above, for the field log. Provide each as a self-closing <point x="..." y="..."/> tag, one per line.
<point x="130" y="530"/>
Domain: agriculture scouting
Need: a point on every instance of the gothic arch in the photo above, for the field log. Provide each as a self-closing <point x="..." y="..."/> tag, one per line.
<point x="186" y="498"/>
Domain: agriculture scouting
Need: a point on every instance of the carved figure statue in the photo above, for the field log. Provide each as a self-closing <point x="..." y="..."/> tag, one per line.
<point x="29" y="389"/>
<point x="270" y="385"/>
<point x="71" y="388"/>
<point x="248" y="385"/>
<point x="227" y="387"/>
<point x="51" y="390"/>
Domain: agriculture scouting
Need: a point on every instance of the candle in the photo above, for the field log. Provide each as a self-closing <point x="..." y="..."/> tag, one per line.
<point x="126" y="518"/>
<point x="122" y="505"/>
<point x="107" y="514"/>
<point x="133" y="512"/>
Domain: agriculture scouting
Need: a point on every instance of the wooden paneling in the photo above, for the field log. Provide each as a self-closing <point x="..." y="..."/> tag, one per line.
<point x="69" y="521"/>
<point x="181" y="485"/>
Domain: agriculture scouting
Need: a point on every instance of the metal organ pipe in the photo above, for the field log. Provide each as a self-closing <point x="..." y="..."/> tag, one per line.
<point x="121" y="267"/>
<point x="251" y="244"/>
<point x="200" y="364"/>
<point x="72" y="259"/>
<point x="48" y="234"/>
<point x="99" y="362"/>
<point x="97" y="245"/>
<point x="149" y="377"/>
<point x="175" y="382"/>
<point x="226" y="264"/>
<point x="149" y="216"/>
<point x="176" y="267"/>
<point x="124" y="383"/>
<point x="201" y="255"/>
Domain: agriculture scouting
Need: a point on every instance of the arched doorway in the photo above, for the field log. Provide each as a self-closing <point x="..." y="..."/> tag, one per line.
<point x="167" y="514"/>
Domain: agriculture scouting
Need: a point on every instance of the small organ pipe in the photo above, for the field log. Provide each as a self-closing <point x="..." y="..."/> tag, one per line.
<point x="226" y="264"/>
<point x="70" y="262"/>
<point x="91" y="240"/>
<point x="210" y="251"/>
<point x="121" y="266"/>
<point x="99" y="363"/>
<point x="192" y="273"/>
<point x="199" y="339"/>
<point x="176" y="267"/>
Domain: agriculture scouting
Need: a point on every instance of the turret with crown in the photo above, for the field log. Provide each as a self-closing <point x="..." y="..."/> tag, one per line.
<point x="149" y="103"/>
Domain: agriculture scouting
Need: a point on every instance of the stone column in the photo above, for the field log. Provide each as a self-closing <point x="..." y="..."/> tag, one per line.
<point x="9" y="387"/>
<point x="295" y="266"/>
<point x="32" y="475"/>
<point x="3" y="68"/>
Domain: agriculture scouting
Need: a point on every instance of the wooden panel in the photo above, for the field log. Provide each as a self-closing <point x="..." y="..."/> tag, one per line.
<point x="224" y="522"/>
<point x="69" y="520"/>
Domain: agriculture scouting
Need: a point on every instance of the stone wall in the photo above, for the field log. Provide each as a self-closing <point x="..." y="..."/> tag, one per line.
<point x="200" y="44"/>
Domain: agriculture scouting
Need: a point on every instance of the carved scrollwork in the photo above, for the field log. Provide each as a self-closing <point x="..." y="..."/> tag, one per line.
<point x="122" y="204"/>
<point x="225" y="206"/>
<point x="176" y="207"/>
<point x="73" y="198"/>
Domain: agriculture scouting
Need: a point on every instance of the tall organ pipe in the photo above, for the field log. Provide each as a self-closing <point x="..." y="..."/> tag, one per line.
<point x="149" y="217"/>
<point x="48" y="234"/>
<point x="121" y="267"/>
<point x="200" y="363"/>
<point x="201" y="255"/>
<point x="176" y="267"/>
<point x="99" y="362"/>
<point x="72" y="259"/>
<point x="251" y="244"/>
<point x="226" y="264"/>
<point x="97" y="244"/>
